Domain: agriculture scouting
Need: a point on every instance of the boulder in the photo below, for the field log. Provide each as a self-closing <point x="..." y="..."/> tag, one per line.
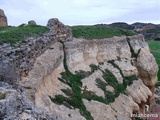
<point x="32" y="22"/>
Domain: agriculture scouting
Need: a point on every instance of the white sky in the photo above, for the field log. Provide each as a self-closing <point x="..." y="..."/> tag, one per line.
<point x="76" y="12"/>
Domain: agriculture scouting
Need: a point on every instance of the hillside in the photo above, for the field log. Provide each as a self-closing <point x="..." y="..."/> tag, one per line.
<point x="149" y="30"/>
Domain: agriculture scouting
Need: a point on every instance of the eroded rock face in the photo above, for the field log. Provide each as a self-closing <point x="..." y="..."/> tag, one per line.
<point x="43" y="66"/>
<point x="139" y="92"/>
<point x="18" y="65"/>
<point x="14" y="105"/>
<point x="19" y="61"/>
<point x="89" y="83"/>
<point x="126" y="67"/>
<point x="59" y="29"/>
<point x="3" y="18"/>
<point x="147" y="72"/>
<point x="81" y="53"/>
<point x="97" y="110"/>
<point x="124" y="106"/>
<point x="54" y="59"/>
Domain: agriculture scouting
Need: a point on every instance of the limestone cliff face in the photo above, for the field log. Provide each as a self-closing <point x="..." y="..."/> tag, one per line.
<point x="123" y="67"/>
<point x="81" y="53"/>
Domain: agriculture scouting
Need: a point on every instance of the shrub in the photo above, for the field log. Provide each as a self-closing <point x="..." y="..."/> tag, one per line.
<point x="2" y="96"/>
<point x="157" y="39"/>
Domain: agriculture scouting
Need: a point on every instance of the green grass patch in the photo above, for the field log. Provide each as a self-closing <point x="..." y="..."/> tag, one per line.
<point x="155" y="50"/>
<point x="15" y="34"/>
<point x="98" y="32"/>
<point x="2" y="96"/>
<point x="89" y="95"/>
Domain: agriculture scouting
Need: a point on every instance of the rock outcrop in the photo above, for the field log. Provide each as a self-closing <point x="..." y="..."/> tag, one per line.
<point x="3" y="18"/>
<point x="14" y="105"/>
<point x="32" y="22"/>
<point x="15" y="64"/>
<point x="20" y="60"/>
<point x="60" y="78"/>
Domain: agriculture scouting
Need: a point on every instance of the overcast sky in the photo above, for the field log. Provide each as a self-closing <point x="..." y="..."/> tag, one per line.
<point x="76" y="12"/>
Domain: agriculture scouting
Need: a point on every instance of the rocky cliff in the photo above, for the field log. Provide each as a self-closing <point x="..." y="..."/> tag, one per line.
<point x="63" y="78"/>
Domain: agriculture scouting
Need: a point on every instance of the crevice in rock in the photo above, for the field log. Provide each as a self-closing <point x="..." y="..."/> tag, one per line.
<point x="133" y="54"/>
<point x="114" y="111"/>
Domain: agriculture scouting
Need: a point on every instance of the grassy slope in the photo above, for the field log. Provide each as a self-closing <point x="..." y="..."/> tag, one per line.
<point x="98" y="32"/>
<point x="155" y="50"/>
<point x="20" y="33"/>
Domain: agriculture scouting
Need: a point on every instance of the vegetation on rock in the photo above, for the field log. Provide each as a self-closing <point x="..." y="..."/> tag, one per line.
<point x="112" y="81"/>
<point x="76" y="94"/>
